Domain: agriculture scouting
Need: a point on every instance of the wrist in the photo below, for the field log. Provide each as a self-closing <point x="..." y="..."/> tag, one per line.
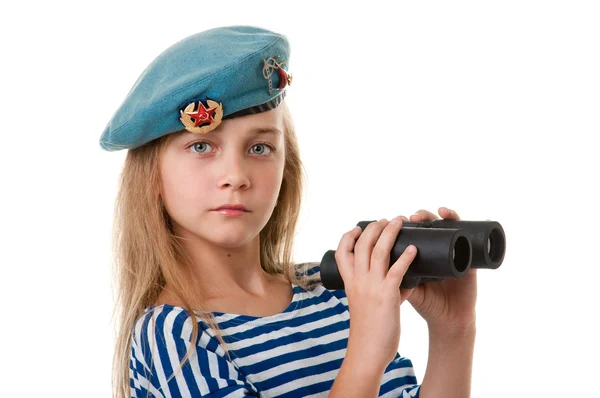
<point x="452" y="331"/>
<point x="363" y="364"/>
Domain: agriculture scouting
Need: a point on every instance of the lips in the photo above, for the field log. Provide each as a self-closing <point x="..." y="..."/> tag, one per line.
<point x="231" y="207"/>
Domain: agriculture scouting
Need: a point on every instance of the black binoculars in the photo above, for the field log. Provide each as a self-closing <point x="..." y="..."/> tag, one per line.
<point x="445" y="249"/>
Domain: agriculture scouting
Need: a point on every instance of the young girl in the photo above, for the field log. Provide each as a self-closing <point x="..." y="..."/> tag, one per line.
<point x="210" y="301"/>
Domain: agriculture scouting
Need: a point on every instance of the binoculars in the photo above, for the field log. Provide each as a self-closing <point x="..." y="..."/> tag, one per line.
<point x="445" y="249"/>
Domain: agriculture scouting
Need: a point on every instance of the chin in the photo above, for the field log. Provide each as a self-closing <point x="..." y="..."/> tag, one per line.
<point x="232" y="235"/>
<point x="231" y="242"/>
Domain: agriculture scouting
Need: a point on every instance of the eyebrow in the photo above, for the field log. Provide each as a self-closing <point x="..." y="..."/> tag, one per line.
<point x="267" y="130"/>
<point x="254" y="131"/>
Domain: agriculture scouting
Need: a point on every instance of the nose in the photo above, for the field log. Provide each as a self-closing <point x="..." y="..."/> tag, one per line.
<point x="234" y="172"/>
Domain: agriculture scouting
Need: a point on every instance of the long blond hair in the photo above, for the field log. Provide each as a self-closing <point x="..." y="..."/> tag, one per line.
<point x="147" y="255"/>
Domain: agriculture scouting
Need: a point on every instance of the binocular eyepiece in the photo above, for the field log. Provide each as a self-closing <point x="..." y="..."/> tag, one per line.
<point x="445" y="249"/>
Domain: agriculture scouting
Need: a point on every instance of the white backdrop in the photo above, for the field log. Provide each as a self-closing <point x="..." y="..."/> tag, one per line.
<point x="488" y="108"/>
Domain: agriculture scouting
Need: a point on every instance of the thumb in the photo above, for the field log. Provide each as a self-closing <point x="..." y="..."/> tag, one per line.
<point x="405" y="294"/>
<point x="415" y="296"/>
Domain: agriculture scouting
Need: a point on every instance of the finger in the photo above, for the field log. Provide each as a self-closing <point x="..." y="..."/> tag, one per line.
<point x="416" y="218"/>
<point x="398" y="269"/>
<point x="364" y="246"/>
<point x="448" y="214"/>
<point x="423" y="215"/>
<point x="380" y="257"/>
<point x="344" y="256"/>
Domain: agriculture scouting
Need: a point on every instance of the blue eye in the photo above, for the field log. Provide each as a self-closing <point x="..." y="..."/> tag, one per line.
<point x="261" y="144"/>
<point x="194" y="145"/>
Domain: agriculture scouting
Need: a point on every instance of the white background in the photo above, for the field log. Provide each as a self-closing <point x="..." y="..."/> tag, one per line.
<point x="488" y="108"/>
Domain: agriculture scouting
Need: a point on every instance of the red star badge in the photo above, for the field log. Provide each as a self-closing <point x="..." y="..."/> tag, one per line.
<point x="203" y="119"/>
<point x="202" y="115"/>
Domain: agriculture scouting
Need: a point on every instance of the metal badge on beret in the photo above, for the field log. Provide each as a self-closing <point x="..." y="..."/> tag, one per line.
<point x="201" y="119"/>
<point x="284" y="78"/>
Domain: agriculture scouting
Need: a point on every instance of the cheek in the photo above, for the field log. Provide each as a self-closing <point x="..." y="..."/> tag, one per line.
<point x="269" y="180"/>
<point x="185" y="193"/>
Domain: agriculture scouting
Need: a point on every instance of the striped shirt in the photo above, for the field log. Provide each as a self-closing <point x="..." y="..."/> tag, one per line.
<point x="296" y="353"/>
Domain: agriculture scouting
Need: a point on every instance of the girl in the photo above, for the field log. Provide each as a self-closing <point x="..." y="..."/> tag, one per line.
<point x="209" y="299"/>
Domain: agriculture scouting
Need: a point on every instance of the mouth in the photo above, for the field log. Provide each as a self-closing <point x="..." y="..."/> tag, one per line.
<point x="231" y="207"/>
<point x="230" y="212"/>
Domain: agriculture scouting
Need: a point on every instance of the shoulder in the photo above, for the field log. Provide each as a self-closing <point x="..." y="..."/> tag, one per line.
<point x="163" y="334"/>
<point x="309" y="271"/>
<point x="164" y="327"/>
<point x="312" y="272"/>
<point x="160" y="342"/>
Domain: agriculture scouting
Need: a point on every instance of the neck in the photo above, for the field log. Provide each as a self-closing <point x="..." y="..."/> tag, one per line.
<point x="228" y="271"/>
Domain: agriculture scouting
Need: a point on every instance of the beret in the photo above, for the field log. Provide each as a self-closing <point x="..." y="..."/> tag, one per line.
<point x="200" y="80"/>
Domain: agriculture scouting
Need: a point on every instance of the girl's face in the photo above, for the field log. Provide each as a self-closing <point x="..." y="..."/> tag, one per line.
<point x="233" y="164"/>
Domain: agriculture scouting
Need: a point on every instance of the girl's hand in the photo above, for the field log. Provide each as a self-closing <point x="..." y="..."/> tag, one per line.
<point x="371" y="287"/>
<point x="449" y="304"/>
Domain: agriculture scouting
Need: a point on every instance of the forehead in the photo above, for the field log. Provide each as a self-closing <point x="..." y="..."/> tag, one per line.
<point x="272" y="131"/>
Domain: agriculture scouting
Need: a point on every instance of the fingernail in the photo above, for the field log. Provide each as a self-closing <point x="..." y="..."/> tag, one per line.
<point x="411" y="249"/>
<point x="395" y="220"/>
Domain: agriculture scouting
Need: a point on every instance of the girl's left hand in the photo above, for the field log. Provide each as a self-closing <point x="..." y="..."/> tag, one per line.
<point x="449" y="304"/>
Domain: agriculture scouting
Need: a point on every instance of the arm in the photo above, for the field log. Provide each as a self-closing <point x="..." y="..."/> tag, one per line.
<point x="359" y="379"/>
<point x="356" y="377"/>
<point x="450" y="364"/>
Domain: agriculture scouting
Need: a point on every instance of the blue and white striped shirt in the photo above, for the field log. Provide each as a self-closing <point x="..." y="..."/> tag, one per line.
<point x="296" y="353"/>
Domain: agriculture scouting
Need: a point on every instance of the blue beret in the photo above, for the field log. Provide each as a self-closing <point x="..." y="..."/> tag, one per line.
<point x="202" y="79"/>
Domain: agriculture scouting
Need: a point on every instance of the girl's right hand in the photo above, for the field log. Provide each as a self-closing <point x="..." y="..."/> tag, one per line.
<point x="373" y="291"/>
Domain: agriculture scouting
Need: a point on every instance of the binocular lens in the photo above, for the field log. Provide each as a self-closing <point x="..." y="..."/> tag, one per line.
<point x="496" y="245"/>
<point x="461" y="253"/>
